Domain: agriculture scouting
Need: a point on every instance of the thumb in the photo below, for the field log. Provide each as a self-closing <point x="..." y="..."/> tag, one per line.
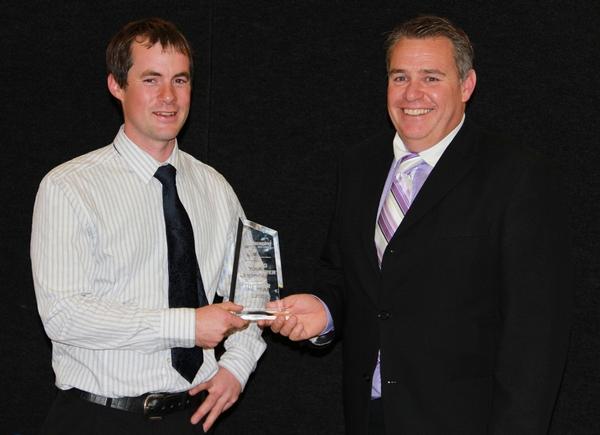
<point x="230" y="306"/>
<point x="274" y="304"/>
<point x="280" y="305"/>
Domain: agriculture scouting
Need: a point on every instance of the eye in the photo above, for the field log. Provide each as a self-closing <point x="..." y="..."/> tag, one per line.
<point x="181" y="81"/>
<point x="149" y="80"/>
<point x="432" y="79"/>
<point x="399" y="78"/>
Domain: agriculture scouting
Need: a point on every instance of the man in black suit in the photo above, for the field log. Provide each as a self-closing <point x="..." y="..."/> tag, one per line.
<point x="446" y="268"/>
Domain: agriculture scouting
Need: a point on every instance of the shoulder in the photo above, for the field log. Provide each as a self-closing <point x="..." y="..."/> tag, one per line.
<point x="69" y="183"/>
<point x="502" y="149"/>
<point x="379" y="143"/>
<point x="368" y="152"/>
<point x="79" y="167"/>
<point x="205" y="176"/>
<point x="505" y="159"/>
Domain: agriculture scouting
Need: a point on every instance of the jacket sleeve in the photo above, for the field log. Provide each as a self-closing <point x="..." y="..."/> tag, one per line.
<point x="330" y="275"/>
<point x="535" y="304"/>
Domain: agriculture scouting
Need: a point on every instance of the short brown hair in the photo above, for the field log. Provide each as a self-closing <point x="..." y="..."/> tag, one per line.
<point x="431" y="26"/>
<point x="148" y="31"/>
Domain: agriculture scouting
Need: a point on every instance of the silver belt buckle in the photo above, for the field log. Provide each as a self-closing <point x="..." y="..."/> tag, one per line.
<point x="149" y="407"/>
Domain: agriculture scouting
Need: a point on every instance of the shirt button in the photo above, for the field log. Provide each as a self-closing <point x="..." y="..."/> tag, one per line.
<point x="383" y="315"/>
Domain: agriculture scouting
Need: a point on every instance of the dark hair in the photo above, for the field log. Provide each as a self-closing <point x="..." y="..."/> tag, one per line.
<point x="147" y="31"/>
<point x="431" y="26"/>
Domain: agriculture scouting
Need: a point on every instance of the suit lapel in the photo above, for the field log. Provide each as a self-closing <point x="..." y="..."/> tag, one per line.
<point x="372" y="187"/>
<point x="458" y="159"/>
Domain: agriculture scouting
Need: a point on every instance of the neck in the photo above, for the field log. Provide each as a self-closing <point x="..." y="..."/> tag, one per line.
<point x="158" y="150"/>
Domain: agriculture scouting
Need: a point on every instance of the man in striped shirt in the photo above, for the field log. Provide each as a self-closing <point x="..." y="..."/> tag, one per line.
<point x="100" y="262"/>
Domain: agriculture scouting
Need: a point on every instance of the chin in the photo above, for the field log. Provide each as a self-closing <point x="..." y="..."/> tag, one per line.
<point x="168" y="133"/>
<point x="412" y="135"/>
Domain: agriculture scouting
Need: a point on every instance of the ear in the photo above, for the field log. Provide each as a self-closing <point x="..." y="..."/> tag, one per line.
<point x="114" y="88"/>
<point x="468" y="85"/>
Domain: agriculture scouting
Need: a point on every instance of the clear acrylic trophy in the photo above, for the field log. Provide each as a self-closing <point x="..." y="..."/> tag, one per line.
<point x="256" y="276"/>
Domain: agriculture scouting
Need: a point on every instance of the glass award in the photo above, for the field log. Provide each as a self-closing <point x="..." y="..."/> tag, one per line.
<point x="256" y="276"/>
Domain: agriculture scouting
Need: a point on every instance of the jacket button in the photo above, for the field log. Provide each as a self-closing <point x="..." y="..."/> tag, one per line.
<point x="391" y="382"/>
<point x="366" y="377"/>
<point x="383" y="315"/>
<point x="391" y="251"/>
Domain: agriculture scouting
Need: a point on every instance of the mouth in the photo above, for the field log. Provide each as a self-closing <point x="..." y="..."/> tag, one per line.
<point x="416" y="112"/>
<point x="165" y="115"/>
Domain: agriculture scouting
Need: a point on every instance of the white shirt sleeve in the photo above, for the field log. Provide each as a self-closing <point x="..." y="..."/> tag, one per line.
<point x="72" y="310"/>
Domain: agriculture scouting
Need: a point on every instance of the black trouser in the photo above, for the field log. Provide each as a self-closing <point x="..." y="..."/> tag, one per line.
<point x="71" y="415"/>
<point x="376" y="423"/>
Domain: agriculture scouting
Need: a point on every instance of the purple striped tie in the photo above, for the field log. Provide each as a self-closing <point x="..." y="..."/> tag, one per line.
<point x="409" y="175"/>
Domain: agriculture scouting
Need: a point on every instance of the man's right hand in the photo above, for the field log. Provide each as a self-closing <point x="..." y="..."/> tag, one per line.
<point x="215" y="322"/>
<point x="305" y="317"/>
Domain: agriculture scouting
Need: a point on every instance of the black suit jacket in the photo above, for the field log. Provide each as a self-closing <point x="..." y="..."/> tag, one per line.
<point x="470" y="308"/>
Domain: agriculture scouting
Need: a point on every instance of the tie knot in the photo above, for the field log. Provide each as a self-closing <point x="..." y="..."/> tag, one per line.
<point x="166" y="175"/>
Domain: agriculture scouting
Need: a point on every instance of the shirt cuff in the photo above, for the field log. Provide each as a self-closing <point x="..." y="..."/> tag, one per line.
<point x="178" y="327"/>
<point x="326" y="336"/>
<point x="239" y="363"/>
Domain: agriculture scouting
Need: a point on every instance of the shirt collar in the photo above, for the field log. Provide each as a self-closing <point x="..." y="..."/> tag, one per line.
<point x="430" y="155"/>
<point x="142" y="163"/>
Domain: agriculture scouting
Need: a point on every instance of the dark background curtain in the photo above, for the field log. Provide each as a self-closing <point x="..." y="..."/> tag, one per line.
<point x="281" y="88"/>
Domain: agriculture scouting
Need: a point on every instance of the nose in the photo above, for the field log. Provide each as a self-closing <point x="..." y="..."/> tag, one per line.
<point x="166" y="94"/>
<point x="413" y="91"/>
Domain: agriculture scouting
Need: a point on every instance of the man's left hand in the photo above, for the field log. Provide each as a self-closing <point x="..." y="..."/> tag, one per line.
<point x="223" y="391"/>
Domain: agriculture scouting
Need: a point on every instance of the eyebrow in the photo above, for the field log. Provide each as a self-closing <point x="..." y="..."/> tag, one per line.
<point x="151" y="73"/>
<point x="422" y="71"/>
<point x="433" y="71"/>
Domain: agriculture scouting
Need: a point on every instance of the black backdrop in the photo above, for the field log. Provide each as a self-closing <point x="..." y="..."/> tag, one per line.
<point x="282" y="87"/>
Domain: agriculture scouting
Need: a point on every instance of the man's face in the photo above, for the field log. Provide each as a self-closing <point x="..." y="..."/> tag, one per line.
<point x="425" y="96"/>
<point x="156" y="100"/>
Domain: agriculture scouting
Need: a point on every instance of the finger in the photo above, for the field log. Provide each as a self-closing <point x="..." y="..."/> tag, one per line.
<point x="289" y="326"/>
<point x="200" y="387"/>
<point x="237" y="322"/>
<point x="203" y="409"/>
<point x="213" y="415"/>
<point x="269" y="323"/>
<point x="277" y="324"/>
<point x="298" y="333"/>
<point x="229" y="404"/>
<point x="264" y="323"/>
<point x="242" y="328"/>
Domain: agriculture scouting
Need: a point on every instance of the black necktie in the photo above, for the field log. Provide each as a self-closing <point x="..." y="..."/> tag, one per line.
<point x="185" y="283"/>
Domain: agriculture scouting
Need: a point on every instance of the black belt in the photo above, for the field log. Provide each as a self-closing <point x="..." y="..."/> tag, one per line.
<point x="152" y="405"/>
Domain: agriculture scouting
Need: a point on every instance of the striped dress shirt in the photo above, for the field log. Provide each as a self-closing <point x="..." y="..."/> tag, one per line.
<point x="99" y="261"/>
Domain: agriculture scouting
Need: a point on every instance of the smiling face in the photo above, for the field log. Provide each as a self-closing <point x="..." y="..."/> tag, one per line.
<point x="425" y="97"/>
<point x="156" y="99"/>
